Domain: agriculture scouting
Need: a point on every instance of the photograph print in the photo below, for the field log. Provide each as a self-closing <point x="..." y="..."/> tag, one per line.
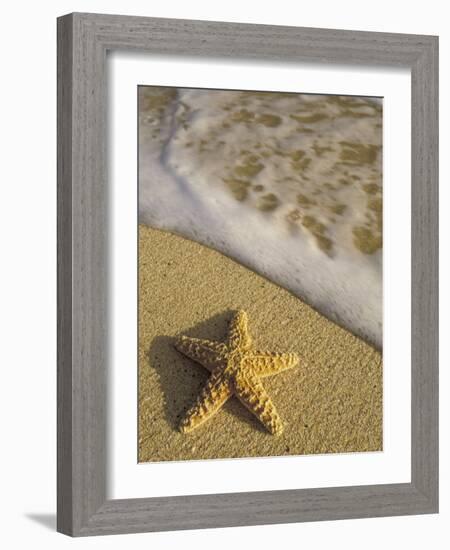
<point x="260" y="260"/>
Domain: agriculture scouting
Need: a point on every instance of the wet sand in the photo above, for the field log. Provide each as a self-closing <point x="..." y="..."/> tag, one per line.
<point x="330" y="403"/>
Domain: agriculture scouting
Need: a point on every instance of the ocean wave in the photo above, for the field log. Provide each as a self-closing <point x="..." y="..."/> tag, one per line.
<point x="287" y="184"/>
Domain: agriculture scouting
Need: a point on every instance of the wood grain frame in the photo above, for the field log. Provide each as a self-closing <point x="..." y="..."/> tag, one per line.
<point x="83" y="41"/>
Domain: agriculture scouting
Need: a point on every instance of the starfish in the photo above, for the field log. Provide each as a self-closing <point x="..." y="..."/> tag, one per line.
<point x="235" y="370"/>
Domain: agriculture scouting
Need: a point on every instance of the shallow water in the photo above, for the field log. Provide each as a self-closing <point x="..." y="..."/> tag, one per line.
<point x="288" y="184"/>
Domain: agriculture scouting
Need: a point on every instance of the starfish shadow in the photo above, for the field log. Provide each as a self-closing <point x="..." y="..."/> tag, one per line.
<point x="181" y="378"/>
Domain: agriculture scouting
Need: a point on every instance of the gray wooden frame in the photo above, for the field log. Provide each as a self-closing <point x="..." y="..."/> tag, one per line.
<point x="83" y="40"/>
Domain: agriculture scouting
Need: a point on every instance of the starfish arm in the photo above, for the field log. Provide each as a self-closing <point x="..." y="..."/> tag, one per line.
<point x="252" y="395"/>
<point x="207" y="353"/>
<point x="266" y="363"/>
<point x="210" y="400"/>
<point x="239" y="336"/>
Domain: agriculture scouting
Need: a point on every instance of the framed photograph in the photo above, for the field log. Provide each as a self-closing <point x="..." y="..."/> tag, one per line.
<point x="247" y="274"/>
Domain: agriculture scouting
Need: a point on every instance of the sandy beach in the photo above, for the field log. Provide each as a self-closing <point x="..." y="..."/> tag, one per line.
<point x="330" y="403"/>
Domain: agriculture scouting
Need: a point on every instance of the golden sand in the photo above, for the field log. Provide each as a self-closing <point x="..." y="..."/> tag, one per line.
<point x="330" y="403"/>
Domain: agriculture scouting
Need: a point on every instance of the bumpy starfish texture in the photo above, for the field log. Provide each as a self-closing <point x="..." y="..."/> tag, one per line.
<point x="235" y="370"/>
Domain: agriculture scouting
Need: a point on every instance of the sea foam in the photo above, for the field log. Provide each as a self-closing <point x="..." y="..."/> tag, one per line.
<point x="287" y="184"/>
